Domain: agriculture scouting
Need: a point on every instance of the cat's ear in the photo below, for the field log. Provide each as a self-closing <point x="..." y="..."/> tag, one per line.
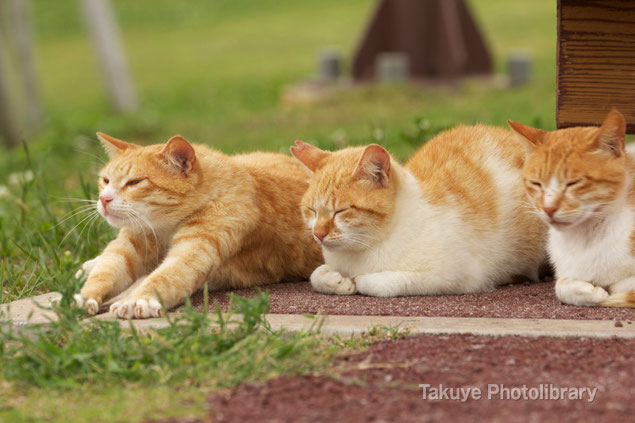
<point x="112" y="145"/>
<point x="611" y="134"/>
<point x="310" y="156"/>
<point x="180" y="154"/>
<point x="374" y="165"/>
<point x="533" y="135"/>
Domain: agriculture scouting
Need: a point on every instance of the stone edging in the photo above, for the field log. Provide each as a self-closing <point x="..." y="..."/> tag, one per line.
<point x="24" y="312"/>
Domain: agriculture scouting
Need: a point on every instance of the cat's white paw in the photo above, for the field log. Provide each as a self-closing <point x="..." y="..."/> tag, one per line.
<point x="91" y="305"/>
<point x="325" y="280"/>
<point x="373" y="285"/>
<point x="580" y="293"/>
<point x="137" y="308"/>
<point x="87" y="267"/>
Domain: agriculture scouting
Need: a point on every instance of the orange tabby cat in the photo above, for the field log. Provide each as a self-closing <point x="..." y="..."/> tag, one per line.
<point x="581" y="183"/>
<point x="190" y="215"/>
<point x="452" y="220"/>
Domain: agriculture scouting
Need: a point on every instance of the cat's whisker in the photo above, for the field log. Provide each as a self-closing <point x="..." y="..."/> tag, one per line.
<point x="143" y="220"/>
<point x="100" y="159"/>
<point x="350" y="238"/>
<point x="135" y="221"/>
<point x="74" y="227"/>
<point x="89" y="223"/>
<point x="147" y="222"/>
<point x="77" y="211"/>
<point x="66" y="199"/>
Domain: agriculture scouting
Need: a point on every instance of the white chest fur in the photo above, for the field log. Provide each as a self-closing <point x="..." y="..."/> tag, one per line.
<point x="598" y="252"/>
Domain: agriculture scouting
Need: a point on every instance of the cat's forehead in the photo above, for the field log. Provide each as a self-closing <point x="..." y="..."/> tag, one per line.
<point x="570" y="140"/>
<point x="329" y="187"/>
<point x="127" y="164"/>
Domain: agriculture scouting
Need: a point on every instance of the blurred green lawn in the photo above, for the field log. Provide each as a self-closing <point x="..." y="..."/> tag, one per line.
<point x="213" y="71"/>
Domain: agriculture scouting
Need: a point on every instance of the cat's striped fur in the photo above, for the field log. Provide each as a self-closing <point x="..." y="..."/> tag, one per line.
<point x="190" y="215"/>
<point x="454" y="219"/>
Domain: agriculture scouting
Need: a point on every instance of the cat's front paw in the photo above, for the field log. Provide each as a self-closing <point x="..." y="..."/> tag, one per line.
<point x="87" y="267"/>
<point x="137" y="308"/>
<point x="580" y="293"/>
<point x="91" y="305"/>
<point x="328" y="281"/>
<point x="373" y="285"/>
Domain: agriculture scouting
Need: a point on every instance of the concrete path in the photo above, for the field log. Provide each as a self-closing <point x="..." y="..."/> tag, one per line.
<point x="30" y="311"/>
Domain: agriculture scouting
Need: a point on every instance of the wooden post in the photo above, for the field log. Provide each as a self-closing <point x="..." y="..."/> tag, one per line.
<point x="103" y="29"/>
<point x="596" y="62"/>
<point x="21" y="19"/>
<point x="8" y="127"/>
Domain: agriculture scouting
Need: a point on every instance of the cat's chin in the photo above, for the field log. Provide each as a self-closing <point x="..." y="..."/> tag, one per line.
<point x="339" y="246"/>
<point x="561" y="225"/>
<point x="566" y="224"/>
<point x="114" y="221"/>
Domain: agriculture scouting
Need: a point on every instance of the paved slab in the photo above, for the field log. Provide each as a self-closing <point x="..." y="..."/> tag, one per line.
<point x="347" y="326"/>
<point x="357" y="325"/>
<point x="30" y="310"/>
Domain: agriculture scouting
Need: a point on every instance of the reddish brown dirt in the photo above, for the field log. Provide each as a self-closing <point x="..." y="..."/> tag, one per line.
<point x="523" y="301"/>
<point x="381" y="384"/>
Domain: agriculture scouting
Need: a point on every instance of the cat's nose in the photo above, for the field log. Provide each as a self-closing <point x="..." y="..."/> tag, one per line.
<point x="550" y="210"/>
<point x="320" y="234"/>
<point x="105" y="199"/>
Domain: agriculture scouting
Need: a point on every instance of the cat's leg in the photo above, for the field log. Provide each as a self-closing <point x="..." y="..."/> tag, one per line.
<point x="580" y="293"/>
<point x="197" y="248"/>
<point x="625" y="285"/>
<point x="87" y="267"/>
<point x="116" y="268"/>
<point x="326" y="280"/>
<point x="397" y="283"/>
<point x="622" y="294"/>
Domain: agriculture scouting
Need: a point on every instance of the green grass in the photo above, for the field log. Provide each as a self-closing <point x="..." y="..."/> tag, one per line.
<point x="212" y="71"/>
<point x="117" y="374"/>
<point x="73" y="354"/>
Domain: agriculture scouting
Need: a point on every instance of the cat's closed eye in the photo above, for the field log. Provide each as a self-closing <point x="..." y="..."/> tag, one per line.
<point x="133" y="182"/>
<point x="574" y="182"/>
<point x="536" y="183"/>
<point x="340" y="211"/>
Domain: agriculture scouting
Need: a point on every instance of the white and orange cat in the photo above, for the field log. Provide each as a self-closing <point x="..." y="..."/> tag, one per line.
<point x="581" y="183"/>
<point x="454" y="219"/>
<point x="190" y="215"/>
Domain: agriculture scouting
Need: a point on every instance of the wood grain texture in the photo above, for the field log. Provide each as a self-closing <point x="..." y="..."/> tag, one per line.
<point x="596" y="61"/>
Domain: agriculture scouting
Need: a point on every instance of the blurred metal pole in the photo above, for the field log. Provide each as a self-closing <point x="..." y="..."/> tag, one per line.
<point x="8" y="127"/>
<point x="22" y="21"/>
<point x="101" y="23"/>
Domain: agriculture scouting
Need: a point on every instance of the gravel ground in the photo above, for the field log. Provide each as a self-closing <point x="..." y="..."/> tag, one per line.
<point x="382" y="383"/>
<point x="523" y="300"/>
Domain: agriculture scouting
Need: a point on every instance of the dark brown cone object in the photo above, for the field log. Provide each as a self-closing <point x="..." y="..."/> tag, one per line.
<point x="439" y="37"/>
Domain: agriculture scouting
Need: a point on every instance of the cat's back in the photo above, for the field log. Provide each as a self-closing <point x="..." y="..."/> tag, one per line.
<point x="466" y="149"/>
<point x="468" y="164"/>
<point x="275" y="165"/>
<point x="279" y="247"/>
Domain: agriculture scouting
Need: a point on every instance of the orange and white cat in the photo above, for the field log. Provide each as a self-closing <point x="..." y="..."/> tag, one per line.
<point x="581" y="183"/>
<point x="190" y="215"/>
<point x="453" y="220"/>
